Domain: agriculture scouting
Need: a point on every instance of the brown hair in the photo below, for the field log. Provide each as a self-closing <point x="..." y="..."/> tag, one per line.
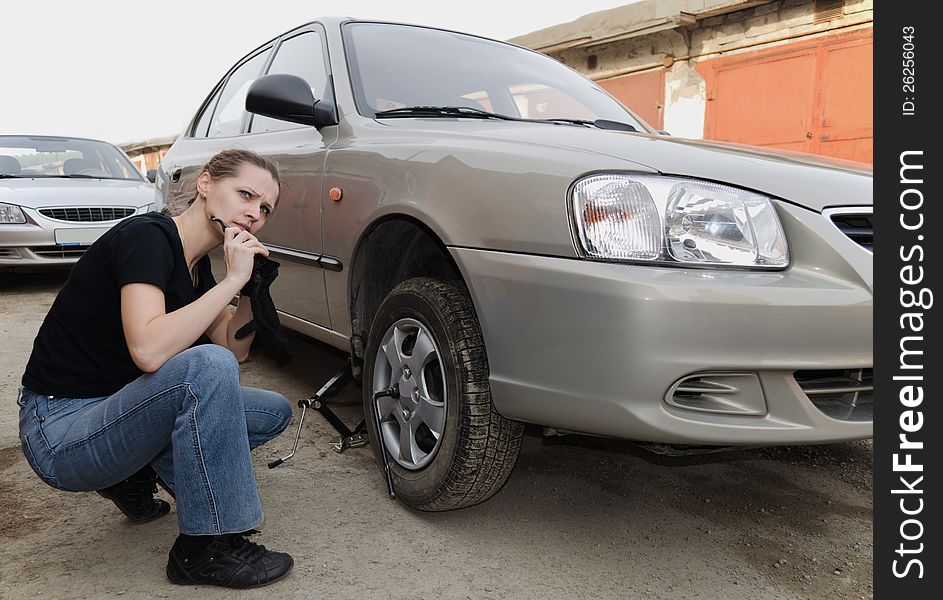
<point x="225" y="164"/>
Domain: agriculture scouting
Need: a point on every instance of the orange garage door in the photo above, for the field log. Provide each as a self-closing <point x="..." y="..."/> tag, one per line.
<point x="644" y="93"/>
<point x="813" y="96"/>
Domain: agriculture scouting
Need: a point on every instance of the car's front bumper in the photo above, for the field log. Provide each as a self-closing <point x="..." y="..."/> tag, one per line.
<point x="29" y="245"/>
<point x="595" y="347"/>
<point x="33" y="244"/>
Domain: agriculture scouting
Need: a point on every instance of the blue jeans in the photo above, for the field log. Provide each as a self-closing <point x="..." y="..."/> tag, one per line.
<point x="190" y="420"/>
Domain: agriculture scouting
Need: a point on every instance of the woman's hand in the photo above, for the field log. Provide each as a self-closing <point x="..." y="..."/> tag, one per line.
<point x="240" y="248"/>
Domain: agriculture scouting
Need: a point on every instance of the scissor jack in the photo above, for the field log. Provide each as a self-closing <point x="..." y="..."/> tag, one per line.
<point x="355" y="438"/>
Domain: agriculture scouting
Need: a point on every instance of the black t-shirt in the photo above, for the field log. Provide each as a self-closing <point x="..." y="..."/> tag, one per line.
<point x="80" y="351"/>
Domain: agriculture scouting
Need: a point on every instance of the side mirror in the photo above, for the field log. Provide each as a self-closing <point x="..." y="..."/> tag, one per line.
<point x="662" y="132"/>
<point x="289" y="98"/>
<point x="152" y="175"/>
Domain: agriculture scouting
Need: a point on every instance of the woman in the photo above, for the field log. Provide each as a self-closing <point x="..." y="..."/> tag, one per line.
<point x="120" y="384"/>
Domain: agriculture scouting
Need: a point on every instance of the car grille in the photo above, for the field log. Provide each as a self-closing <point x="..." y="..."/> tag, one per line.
<point x="59" y="251"/>
<point x="843" y="394"/>
<point x="857" y="226"/>
<point x="87" y="214"/>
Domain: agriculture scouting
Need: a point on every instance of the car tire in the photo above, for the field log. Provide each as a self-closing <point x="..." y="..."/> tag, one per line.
<point x="430" y="326"/>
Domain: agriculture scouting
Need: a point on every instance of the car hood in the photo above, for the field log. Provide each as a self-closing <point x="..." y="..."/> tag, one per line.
<point x="808" y="180"/>
<point x="42" y="192"/>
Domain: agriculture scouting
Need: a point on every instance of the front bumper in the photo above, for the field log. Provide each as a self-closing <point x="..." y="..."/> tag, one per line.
<point x="33" y="244"/>
<point x="595" y="347"/>
<point x="29" y="245"/>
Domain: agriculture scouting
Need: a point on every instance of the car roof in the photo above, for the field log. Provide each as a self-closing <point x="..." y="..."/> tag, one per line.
<point x="52" y="138"/>
<point x="335" y="20"/>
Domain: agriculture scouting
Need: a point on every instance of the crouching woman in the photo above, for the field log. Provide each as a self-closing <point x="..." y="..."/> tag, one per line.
<point x="133" y="378"/>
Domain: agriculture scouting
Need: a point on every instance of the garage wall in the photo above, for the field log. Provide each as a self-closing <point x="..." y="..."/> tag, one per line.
<point x="813" y="96"/>
<point x="148" y="154"/>
<point x="718" y="72"/>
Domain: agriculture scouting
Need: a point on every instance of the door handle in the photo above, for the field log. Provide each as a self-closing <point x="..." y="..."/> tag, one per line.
<point x="175" y="175"/>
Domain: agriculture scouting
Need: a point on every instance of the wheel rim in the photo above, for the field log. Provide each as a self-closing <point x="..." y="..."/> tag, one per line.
<point x="411" y="423"/>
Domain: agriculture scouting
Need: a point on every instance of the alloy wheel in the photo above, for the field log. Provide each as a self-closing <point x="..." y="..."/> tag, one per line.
<point x="411" y="422"/>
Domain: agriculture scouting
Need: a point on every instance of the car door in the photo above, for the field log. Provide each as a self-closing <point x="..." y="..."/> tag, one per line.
<point x="293" y="233"/>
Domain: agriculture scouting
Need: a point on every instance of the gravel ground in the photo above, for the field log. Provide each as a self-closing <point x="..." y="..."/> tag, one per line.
<point x="580" y="517"/>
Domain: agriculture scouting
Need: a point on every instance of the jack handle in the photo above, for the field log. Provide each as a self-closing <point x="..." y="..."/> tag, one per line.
<point x="328" y="389"/>
<point x="375" y="414"/>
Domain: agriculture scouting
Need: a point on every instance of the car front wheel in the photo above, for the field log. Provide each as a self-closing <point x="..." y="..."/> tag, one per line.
<point x="446" y="445"/>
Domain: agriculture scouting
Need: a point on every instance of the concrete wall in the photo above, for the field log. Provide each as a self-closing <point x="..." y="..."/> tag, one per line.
<point x="677" y="50"/>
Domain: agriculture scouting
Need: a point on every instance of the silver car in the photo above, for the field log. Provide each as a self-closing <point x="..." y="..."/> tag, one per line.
<point x="496" y="241"/>
<point x="58" y="194"/>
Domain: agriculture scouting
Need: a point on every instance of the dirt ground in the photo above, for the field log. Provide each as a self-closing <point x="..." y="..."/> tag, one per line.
<point x="579" y="518"/>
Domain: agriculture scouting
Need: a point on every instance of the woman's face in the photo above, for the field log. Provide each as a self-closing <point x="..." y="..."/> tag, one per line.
<point x="244" y="200"/>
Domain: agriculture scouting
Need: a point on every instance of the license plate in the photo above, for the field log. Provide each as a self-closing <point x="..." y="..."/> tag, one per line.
<point x="80" y="236"/>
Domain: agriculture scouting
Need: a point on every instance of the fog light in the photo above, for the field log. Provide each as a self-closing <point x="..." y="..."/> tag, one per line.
<point x="726" y="393"/>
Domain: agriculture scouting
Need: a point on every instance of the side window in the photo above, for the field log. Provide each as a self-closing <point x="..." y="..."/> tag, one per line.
<point x="231" y="106"/>
<point x="303" y="56"/>
<point x="203" y="122"/>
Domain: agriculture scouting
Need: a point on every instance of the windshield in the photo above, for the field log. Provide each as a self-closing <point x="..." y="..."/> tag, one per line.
<point x="396" y="66"/>
<point x="43" y="156"/>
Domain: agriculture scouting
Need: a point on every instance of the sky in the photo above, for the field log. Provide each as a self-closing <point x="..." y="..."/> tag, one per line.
<point x="129" y="71"/>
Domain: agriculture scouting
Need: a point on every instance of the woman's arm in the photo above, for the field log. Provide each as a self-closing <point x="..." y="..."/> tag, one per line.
<point x="154" y="336"/>
<point x="224" y="328"/>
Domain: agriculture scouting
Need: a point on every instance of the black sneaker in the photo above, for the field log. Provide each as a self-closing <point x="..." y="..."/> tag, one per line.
<point x="135" y="497"/>
<point x="227" y="560"/>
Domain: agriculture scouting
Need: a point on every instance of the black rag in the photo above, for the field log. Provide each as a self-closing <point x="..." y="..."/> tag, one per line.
<point x="264" y="321"/>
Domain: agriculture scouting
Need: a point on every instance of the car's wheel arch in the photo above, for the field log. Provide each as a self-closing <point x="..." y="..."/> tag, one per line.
<point x="393" y="248"/>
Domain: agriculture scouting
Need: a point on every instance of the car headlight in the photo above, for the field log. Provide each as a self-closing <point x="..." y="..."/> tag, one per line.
<point x="11" y="214"/>
<point x="676" y="220"/>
